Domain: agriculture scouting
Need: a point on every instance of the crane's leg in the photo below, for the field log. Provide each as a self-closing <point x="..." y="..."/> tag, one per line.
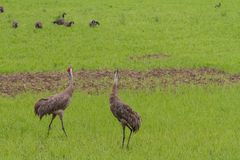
<point x="49" y="127"/>
<point x="63" y="127"/>
<point x="123" y="127"/>
<point x="61" y="118"/>
<point x="129" y="137"/>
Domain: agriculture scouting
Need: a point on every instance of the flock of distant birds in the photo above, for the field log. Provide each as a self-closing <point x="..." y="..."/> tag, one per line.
<point x="59" y="21"/>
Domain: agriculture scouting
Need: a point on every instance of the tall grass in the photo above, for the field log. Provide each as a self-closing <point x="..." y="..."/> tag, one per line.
<point x="181" y="123"/>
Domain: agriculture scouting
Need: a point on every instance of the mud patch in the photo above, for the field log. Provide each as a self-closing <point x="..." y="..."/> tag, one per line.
<point x="97" y="81"/>
<point x="150" y="56"/>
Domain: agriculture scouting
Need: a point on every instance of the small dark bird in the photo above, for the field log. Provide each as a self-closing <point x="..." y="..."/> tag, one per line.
<point x="55" y="105"/>
<point x="218" y="5"/>
<point x="1" y="9"/>
<point x="68" y="24"/>
<point x="60" y="21"/>
<point x="38" y="25"/>
<point x="94" y="23"/>
<point x="14" y="24"/>
<point x="125" y="115"/>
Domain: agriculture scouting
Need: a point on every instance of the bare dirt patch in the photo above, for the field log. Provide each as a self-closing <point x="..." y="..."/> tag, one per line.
<point x="96" y="81"/>
<point x="150" y="56"/>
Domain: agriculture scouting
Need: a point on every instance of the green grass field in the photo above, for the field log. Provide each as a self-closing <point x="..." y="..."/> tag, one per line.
<point x="184" y="122"/>
<point x="192" y="33"/>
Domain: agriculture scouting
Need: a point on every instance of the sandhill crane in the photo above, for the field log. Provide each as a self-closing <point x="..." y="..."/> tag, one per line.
<point x="60" y="21"/>
<point x="218" y="5"/>
<point x="68" y="24"/>
<point x="1" y="9"/>
<point x="125" y="115"/>
<point x="56" y="104"/>
<point x="94" y="23"/>
<point x="14" y="24"/>
<point x="38" y="25"/>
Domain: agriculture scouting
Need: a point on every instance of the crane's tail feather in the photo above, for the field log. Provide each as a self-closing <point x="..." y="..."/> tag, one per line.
<point x="37" y="108"/>
<point x="137" y="122"/>
<point x="134" y="121"/>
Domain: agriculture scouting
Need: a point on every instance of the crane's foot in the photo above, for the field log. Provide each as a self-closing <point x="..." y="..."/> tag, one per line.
<point x="64" y="132"/>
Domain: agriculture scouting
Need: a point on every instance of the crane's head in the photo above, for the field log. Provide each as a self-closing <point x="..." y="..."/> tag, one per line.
<point x="70" y="73"/>
<point x="116" y="76"/>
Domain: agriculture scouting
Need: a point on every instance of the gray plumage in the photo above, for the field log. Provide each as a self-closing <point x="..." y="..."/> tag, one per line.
<point x="46" y="106"/>
<point x="68" y="24"/>
<point x="56" y="104"/>
<point x="94" y="23"/>
<point x="38" y="25"/>
<point x="60" y="21"/>
<point x="14" y="24"/>
<point x="1" y="9"/>
<point x="125" y="115"/>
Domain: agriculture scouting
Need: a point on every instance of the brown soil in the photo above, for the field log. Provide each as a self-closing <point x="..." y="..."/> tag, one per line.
<point x="96" y="81"/>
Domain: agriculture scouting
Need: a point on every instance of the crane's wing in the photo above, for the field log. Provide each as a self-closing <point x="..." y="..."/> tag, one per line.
<point x="49" y="105"/>
<point x="38" y="104"/>
<point x="132" y="118"/>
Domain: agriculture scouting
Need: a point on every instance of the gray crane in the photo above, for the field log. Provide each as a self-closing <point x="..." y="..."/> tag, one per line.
<point x="55" y="105"/>
<point x="125" y="115"/>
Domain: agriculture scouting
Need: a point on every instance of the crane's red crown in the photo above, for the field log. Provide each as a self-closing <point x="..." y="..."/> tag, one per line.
<point x="69" y="68"/>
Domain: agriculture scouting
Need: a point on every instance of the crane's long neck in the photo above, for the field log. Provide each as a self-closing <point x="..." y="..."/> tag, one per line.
<point x="115" y="86"/>
<point x="113" y="97"/>
<point x="70" y="89"/>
